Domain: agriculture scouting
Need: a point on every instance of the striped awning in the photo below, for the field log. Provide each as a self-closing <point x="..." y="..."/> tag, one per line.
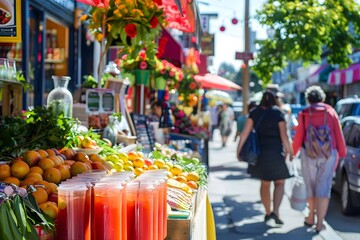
<point x="321" y="74"/>
<point x="345" y="76"/>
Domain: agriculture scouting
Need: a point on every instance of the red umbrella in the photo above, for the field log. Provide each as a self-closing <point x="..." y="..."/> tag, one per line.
<point x="216" y="82"/>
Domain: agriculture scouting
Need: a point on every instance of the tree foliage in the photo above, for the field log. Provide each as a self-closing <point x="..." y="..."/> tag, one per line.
<point x="227" y="71"/>
<point x="307" y="30"/>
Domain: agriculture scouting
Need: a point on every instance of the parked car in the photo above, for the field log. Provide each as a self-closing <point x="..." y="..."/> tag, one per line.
<point x="348" y="107"/>
<point x="346" y="180"/>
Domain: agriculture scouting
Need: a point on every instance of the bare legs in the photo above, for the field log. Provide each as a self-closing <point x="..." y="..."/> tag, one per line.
<point x="318" y="207"/>
<point x="265" y="196"/>
<point x="310" y="219"/>
<point x="277" y="195"/>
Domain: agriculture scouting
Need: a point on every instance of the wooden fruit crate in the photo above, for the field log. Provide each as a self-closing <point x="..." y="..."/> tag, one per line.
<point x="12" y="95"/>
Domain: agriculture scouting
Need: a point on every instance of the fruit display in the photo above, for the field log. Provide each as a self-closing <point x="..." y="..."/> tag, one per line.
<point x="37" y="161"/>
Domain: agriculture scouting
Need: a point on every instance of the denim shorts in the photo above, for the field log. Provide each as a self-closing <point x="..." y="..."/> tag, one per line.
<point x="318" y="174"/>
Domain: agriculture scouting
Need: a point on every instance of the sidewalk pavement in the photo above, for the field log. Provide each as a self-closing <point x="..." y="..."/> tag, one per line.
<point x="236" y="204"/>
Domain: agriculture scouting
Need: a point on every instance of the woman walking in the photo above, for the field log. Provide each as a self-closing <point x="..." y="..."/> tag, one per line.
<point x="318" y="159"/>
<point x="273" y="141"/>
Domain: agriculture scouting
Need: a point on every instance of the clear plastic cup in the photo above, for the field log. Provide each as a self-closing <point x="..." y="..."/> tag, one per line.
<point x="146" y="211"/>
<point x="72" y="204"/>
<point x="108" y="216"/>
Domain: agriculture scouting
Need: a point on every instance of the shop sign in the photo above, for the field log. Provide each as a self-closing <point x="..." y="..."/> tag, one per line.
<point x="100" y="101"/>
<point x="68" y="4"/>
<point x="10" y="21"/>
<point x="246" y="56"/>
<point x="207" y="44"/>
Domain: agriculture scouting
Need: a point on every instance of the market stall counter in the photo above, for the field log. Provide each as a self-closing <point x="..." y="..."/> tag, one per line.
<point x="199" y="225"/>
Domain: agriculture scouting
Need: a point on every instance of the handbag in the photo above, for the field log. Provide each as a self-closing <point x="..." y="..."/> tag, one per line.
<point x="298" y="196"/>
<point x="251" y="150"/>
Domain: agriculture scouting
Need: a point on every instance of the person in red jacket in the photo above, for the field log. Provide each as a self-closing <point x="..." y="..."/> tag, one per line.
<point x="318" y="172"/>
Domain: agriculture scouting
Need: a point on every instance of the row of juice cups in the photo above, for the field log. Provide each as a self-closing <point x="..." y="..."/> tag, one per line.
<point x="97" y="206"/>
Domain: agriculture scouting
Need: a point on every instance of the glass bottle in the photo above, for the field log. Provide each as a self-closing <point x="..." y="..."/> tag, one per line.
<point x="60" y="98"/>
<point x="110" y="132"/>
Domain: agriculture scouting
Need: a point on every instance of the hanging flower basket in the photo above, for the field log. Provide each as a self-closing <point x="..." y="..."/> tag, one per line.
<point x="141" y="76"/>
<point x="160" y="83"/>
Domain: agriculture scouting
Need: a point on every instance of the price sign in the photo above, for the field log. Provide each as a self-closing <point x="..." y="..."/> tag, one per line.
<point x="100" y="101"/>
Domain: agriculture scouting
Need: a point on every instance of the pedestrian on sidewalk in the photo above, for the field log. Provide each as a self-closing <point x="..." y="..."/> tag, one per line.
<point x="318" y="169"/>
<point x="273" y="141"/>
<point x="226" y="120"/>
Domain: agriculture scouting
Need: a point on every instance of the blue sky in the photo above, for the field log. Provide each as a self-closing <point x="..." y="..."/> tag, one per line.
<point x="232" y="39"/>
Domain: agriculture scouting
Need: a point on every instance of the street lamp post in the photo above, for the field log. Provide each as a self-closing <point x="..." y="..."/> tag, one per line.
<point x="245" y="75"/>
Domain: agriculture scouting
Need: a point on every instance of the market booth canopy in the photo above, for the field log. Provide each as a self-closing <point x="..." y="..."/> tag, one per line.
<point x="212" y="81"/>
<point x="218" y="95"/>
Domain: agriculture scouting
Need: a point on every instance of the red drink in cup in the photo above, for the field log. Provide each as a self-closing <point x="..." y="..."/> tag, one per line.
<point x="107" y="211"/>
<point x="72" y="204"/>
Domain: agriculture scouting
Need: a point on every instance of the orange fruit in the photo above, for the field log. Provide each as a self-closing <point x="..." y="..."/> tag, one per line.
<point x="56" y="160"/>
<point x="94" y="157"/>
<point x="43" y="153"/>
<point x="97" y="165"/>
<point x="64" y="171"/>
<point x="40" y="195"/>
<point x="37" y="169"/>
<point x="132" y="156"/>
<point x="35" y="175"/>
<point x="88" y="166"/>
<point x="45" y="185"/>
<point x="46" y="163"/>
<point x="28" y="181"/>
<point x="69" y="162"/>
<point x="5" y="171"/>
<point x="53" y="187"/>
<point x="19" y="169"/>
<point x="50" y="209"/>
<point x="181" y="179"/>
<point x="51" y="152"/>
<point x="68" y="153"/>
<point x="80" y="156"/>
<point x="192" y="184"/>
<point x="31" y="157"/>
<point x="52" y="175"/>
<point x="139" y="162"/>
<point x="77" y="168"/>
<point x="12" y="180"/>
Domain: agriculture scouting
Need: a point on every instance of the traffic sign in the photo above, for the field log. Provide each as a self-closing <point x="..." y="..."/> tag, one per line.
<point x="246" y="56"/>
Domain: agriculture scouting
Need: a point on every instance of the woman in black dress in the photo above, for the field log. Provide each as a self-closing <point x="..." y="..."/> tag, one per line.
<point x="274" y="147"/>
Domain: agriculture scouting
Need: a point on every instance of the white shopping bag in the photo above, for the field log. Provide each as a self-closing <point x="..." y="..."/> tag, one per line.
<point x="298" y="197"/>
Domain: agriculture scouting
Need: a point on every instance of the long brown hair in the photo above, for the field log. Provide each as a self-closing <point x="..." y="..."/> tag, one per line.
<point x="268" y="100"/>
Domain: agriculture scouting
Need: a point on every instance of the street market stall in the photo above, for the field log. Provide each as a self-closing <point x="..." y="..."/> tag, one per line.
<point x="104" y="180"/>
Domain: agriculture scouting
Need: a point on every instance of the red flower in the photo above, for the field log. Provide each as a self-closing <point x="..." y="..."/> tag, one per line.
<point x="192" y="85"/>
<point x="142" y="55"/>
<point x="130" y="30"/>
<point x="143" y="65"/>
<point x="158" y="2"/>
<point x="163" y="71"/>
<point x="154" y="22"/>
<point x="172" y="72"/>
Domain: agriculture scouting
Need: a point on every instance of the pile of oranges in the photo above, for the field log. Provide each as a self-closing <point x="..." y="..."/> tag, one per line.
<point x="44" y="169"/>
